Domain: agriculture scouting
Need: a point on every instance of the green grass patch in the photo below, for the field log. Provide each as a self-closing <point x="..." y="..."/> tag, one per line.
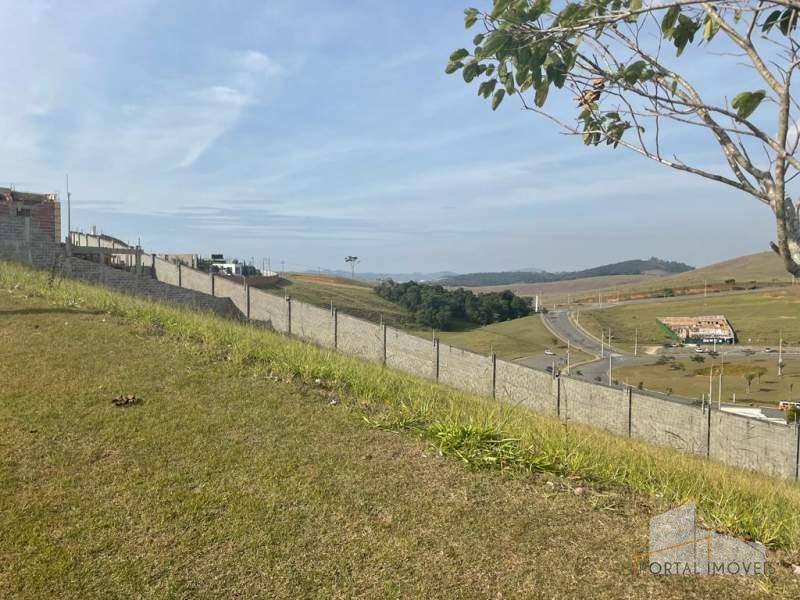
<point x="510" y="340"/>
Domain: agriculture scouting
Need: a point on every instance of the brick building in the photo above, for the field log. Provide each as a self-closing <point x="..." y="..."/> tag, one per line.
<point x="43" y="209"/>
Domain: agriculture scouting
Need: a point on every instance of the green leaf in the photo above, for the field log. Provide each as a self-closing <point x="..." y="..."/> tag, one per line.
<point x="746" y="103"/>
<point x="487" y="87"/>
<point x="499" y="8"/>
<point x="476" y="41"/>
<point x="788" y="21"/>
<point x="459" y="54"/>
<point x="495" y="42"/>
<point x="541" y="93"/>
<point x="710" y="28"/>
<point x="498" y="98"/>
<point x="470" y="17"/>
<point x="470" y="71"/>
<point x="452" y="67"/>
<point x="669" y="20"/>
<point x="771" y="20"/>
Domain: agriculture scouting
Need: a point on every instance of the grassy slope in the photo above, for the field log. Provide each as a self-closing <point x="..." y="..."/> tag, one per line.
<point x="512" y="339"/>
<point x="758" y="317"/>
<point x="226" y="480"/>
<point x="693" y="381"/>
<point x="349" y="296"/>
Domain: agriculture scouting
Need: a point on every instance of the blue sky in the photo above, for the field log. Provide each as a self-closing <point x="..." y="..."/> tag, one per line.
<point x="309" y="130"/>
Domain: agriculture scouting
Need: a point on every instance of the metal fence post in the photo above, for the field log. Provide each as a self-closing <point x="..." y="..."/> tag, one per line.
<point x="797" y="450"/>
<point x="335" y="328"/>
<point x="247" y="300"/>
<point x="289" y="304"/>
<point x="630" y="410"/>
<point x="494" y="376"/>
<point x="436" y="359"/>
<point x="180" y="275"/>
<point x="213" y="286"/>
<point x="384" y="344"/>
<point x="557" y="379"/>
<point x="708" y="430"/>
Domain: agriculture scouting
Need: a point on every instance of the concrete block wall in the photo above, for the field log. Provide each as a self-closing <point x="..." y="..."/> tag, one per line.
<point x="195" y="280"/>
<point x="597" y="405"/>
<point x="269" y="308"/>
<point x="410" y="353"/>
<point x="526" y="387"/>
<point x="753" y="444"/>
<point x="146" y="286"/>
<point x="668" y="423"/>
<point x="165" y="271"/>
<point x="465" y="370"/>
<point x="313" y="323"/>
<point x="23" y="241"/>
<point x="224" y="288"/>
<point x="359" y="338"/>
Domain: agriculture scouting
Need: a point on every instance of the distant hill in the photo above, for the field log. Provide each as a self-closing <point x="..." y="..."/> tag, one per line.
<point x="399" y="277"/>
<point x="628" y="267"/>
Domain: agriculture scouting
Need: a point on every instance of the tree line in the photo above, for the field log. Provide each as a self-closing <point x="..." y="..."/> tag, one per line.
<point x="434" y="306"/>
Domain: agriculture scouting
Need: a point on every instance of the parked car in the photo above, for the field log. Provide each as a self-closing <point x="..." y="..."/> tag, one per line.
<point x="549" y="353"/>
<point x="699" y="350"/>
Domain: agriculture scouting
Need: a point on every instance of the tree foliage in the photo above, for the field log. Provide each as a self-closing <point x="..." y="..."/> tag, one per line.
<point x="434" y="306"/>
<point x="620" y="61"/>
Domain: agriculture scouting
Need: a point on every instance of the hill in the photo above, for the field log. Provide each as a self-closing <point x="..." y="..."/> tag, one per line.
<point x="628" y="267"/>
<point x="761" y="270"/>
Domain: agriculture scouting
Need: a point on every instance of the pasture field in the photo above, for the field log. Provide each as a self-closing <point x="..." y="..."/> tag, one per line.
<point x="758" y="317"/>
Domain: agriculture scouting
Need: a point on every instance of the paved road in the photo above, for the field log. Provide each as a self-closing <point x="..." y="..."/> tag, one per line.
<point x="560" y="323"/>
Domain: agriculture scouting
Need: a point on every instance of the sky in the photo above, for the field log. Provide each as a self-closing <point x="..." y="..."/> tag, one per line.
<point x="304" y="131"/>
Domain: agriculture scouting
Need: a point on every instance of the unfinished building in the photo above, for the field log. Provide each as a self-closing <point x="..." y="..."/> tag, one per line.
<point x="700" y="330"/>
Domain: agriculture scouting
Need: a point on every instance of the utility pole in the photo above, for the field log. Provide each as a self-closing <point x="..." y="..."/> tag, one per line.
<point x="636" y="342"/>
<point x="602" y="334"/>
<point x="780" y="355"/>
<point x="568" y="349"/>
<point x="609" y="356"/>
<point x="710" y="384"/>
<point x="69" y="220"/>
<point x="705" y="288"/>
<point x="721" y="368"/>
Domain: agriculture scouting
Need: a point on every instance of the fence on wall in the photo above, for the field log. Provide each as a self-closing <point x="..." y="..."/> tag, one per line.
<point x="759" y="445"/>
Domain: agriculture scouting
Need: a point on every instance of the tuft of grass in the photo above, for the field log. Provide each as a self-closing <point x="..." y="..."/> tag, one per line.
<point x="481" y="432"/>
